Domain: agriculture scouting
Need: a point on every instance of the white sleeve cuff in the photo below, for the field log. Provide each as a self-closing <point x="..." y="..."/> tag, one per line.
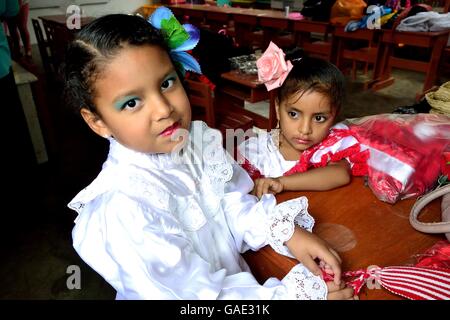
<point x="282" y="220"/>
<point x="301" y="284"/>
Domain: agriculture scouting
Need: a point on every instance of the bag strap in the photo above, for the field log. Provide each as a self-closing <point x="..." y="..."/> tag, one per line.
<point x="433" y="227"/>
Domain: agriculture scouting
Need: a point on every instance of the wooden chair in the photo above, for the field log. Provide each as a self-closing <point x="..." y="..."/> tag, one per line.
<point x="58" y="37"/>
<point x="434" y="42"/>
<point x="307" y="33"/>
<point x="275" y="30"/>
<point x="43" y="46"/>
<point x="201" y="97"/>
<point x="202" y="101"/>
<point x="367" y="53"/>
<point x="247" y="33"/>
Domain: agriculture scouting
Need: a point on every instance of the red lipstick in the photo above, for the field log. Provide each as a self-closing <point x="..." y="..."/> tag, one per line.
<point x="170" y="130"/>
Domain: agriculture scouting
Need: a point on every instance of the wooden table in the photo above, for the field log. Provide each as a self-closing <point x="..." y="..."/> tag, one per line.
<point x="364" y="230"/>
<point x="245" y="20"/>
<point x="240" y="87"/>
<point x="435" y="41"/>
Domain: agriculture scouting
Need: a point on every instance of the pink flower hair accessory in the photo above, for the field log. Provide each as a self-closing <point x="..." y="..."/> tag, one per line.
<point x="273" y="68"/>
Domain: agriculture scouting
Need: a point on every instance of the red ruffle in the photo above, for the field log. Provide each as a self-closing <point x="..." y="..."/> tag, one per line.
<point x="353" y="153"/>
<point x="252" y="171"/>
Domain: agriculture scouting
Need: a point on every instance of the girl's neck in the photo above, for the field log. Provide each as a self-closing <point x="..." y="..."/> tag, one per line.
<point x="287" y="151"/>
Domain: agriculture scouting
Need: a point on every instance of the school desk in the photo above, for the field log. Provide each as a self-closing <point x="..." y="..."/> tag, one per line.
<point x="364" y="230"/>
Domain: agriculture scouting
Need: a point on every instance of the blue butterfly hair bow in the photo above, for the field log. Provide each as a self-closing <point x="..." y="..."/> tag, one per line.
<point x="179" y="38"/>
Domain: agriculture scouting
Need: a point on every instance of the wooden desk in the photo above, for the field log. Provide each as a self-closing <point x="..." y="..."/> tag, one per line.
<point x="369" y="54"/>
<point x="245" y="20"/>
<point x="436" y="41"/>
<point x="245" y="86"/>
<point x="239" y="87"/>
<point x="272" y="28"/>
<point x="364" y="230"/>
<point x="305" y="28"/>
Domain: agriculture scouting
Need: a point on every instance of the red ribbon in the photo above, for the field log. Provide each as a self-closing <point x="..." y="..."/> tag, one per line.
<point x="361" y="277"/>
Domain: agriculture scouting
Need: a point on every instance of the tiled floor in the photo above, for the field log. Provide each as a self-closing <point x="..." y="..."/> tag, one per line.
<point x="35" y="237"/>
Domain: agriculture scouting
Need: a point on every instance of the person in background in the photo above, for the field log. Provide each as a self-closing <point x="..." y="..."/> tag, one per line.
<point x="17" y="150"/>
<point x="18" y="30"/>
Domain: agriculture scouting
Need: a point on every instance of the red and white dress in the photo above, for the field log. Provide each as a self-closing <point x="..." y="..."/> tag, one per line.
<point x="400" y="154"/>
<point x="261" y="158"/>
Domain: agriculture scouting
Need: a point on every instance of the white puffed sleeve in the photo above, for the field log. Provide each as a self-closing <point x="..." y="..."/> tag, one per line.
<point x="144" y="254"/>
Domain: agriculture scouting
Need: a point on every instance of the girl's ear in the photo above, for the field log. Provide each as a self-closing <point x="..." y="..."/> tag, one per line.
<point x="95" y="123"/>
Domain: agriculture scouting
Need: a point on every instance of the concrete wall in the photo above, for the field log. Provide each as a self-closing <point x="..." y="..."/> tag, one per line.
<point x="93" y="8"/>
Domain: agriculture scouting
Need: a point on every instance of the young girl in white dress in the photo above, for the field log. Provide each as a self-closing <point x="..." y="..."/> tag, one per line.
<point x="299" y="153"/>
<point x="170" y="211"/>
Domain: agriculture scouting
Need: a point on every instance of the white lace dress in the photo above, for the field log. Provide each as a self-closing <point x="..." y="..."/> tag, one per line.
<point x="262" y="153"/>
<point x="156" y="226"/>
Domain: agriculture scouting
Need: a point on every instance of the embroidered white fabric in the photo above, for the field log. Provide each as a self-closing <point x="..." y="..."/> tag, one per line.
<point x="303" y="285"/>
<point x="282" y="222"/>
<point x="156" y="228"/>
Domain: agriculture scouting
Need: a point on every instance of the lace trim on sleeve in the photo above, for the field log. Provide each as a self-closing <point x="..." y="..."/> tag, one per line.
<point x="303" y="285"/>
<point x="282" y="221"/>
<point x="217" y="165"/>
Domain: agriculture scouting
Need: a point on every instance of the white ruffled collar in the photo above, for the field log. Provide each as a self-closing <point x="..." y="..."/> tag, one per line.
<point x="120" y="154"/>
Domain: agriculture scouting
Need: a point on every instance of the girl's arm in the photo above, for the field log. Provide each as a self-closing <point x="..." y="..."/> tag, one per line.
<point x="334" y="175"/>
<point x="144" y="253"/>
<point x="306" y="247"/>
<point x="286" y="227"/>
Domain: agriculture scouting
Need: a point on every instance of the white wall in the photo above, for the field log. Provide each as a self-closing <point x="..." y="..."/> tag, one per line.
<point x="94" y="10"/>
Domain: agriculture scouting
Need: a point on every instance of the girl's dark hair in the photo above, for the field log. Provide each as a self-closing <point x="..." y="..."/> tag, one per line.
<point x="92" y="48"/>
<point x="313" y="74"/>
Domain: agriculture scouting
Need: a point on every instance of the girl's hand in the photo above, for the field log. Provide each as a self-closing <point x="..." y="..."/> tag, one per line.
<point x="340" y="292"/>
<point x="267" y="185"/>
<point x="307" y="247"/>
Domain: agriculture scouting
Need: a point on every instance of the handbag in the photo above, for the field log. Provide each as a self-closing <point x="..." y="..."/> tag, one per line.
<point x="433" y="227"/>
